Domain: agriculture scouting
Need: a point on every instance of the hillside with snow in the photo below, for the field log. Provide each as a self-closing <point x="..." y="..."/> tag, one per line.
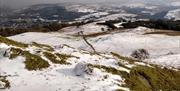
<point x="173" y="14"/>
<point x="61" y="61"/>
<point x="96" y="47"/>
<point x="116" y="41"/>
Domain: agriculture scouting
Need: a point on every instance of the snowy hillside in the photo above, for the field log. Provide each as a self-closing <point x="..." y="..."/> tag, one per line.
<point x="54" y="69"/>
<point x="81" y="8"/>
<point x="61" y="61"/>
<point x="115" y="41"/>
<point x="173" y="14"/>
<point x="132" y="45"/>
<point x="65" y="66"/>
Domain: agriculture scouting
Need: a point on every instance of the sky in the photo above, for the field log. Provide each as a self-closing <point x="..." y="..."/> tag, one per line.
<point x="23" y="3"/>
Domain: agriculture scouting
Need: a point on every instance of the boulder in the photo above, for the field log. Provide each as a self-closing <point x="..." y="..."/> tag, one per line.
<point x="140" y="54"/>
<point x="83" y="68"/>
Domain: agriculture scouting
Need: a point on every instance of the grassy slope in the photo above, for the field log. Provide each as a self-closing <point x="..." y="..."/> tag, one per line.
<point x="145" y="78"/>
<point x="12" y="43"/>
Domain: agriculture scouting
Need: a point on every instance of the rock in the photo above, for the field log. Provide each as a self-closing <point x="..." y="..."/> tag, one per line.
<point x="140" y="54"/>
<point x="4" y="50"/>
<point x="82" y="68"/>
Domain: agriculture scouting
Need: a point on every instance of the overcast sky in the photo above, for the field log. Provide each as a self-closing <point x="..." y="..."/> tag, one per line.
<point x="22" y="3"/>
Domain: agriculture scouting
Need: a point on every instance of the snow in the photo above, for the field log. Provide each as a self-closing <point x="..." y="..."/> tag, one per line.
<point x="164" y="50"/>
<point x="118" y="25"/>
<point x="148" y="12"/>
<point x="93" y="15"/>
<point x="2" y="84"/>
<point x="173" y="14"/>
<point x="77" y="76"/>
<point x="59" y="77"/>
<point x="3" y="48"/>
<point x="82" y="69"/>
<point x="116" y="16"/>
<point x="81" y="8"/>
<point x="140" y="5"/>
<point x="54" y="39"/>
<point x="170" y="61"/>
<point x="140" y="30"/>
<point x="123" y="43"/>
<point x="90" y="28"/>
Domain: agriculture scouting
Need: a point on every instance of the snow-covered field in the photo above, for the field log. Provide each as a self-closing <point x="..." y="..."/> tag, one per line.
<point x="64" y="61"/>
<point x="123" y="42"/>
<point x="81" y="8"/>
<point x="60" y="77"/>
<point x="164" y="50"/>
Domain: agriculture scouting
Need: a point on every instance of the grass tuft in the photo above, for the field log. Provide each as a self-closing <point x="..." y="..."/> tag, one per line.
<point x="46" y="47"/>
<point x="55" y="59"/>
<point x="128" y="59"/>
<point x="11" y="42"/>
<point x="5" y="81"/>
<point x="110" y="70"/>
<point x="32" y="61"/>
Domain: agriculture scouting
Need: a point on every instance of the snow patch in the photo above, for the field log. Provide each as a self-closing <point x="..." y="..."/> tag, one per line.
<point x="173" y="14"/>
